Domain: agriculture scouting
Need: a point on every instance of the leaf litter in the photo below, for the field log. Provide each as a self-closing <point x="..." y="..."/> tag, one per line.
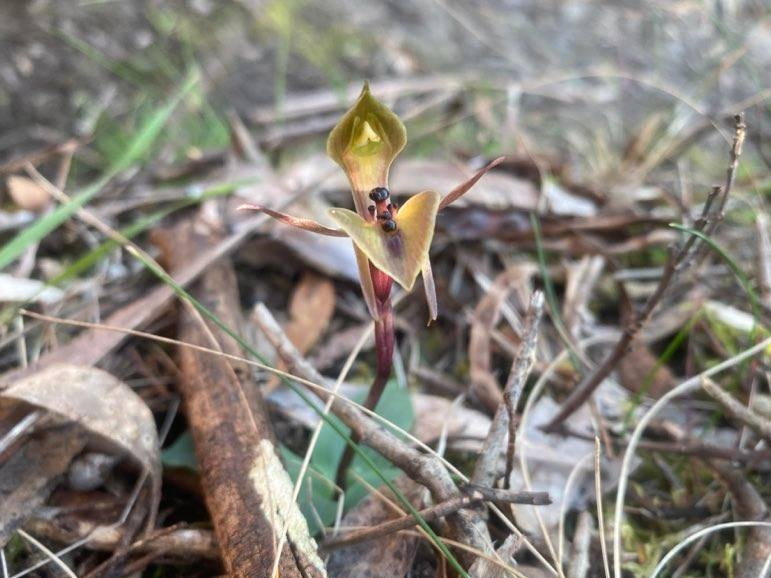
<point x="604" y="187"/>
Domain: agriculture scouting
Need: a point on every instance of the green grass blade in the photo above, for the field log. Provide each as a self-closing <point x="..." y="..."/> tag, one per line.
<point x="91" y="258"/>
<point x="136" y="149"/>
<point x="732" y="264"/>
<point x="551" y="294"/>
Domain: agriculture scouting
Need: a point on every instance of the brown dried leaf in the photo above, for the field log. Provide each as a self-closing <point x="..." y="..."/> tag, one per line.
<point x="311" y="307"/>
<point x="392" y="555"/>
<point x="27" y="194"/>
<point x="638" y="373"/>
<point x="99" y="403"/>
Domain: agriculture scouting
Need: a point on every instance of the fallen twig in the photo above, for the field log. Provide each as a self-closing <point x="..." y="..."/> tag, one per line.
<point x="427" y="470"/>
<point x="435" y="512"/>
<point x="503" y="426"/>
<point x="735" y="409"/>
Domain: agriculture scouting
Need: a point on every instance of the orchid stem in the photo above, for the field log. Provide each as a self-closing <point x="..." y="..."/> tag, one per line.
<point x="384" y="350"/>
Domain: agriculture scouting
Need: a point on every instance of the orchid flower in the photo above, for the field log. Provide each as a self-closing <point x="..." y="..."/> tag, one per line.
<point x="391" y="242"/>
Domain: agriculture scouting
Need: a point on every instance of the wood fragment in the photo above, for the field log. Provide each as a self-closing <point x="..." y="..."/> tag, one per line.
<point x="248" y="492"/>
<point x="476" y="497"/>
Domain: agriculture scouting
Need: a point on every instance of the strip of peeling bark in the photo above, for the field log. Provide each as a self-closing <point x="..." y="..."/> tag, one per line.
<point x="248" y="492"/>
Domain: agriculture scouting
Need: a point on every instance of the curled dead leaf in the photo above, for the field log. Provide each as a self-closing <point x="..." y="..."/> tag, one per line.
<point x="100" y="404"/>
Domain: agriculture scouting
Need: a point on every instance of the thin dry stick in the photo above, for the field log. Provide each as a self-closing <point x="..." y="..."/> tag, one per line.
<point x="493" y="556"/>
<point x="598" y="499"/>
<point x="707" y="223"/>
<point x="517" y="378"/>
<point x="504" y="423"/>
<point x="433" y="513"/>
<point x="426" y="470"/>
<point x="738" y="411"/>
<point x="486" y="467"/>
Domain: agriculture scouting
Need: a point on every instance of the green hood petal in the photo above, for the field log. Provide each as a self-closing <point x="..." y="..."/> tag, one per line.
<point x="364" y="143"/>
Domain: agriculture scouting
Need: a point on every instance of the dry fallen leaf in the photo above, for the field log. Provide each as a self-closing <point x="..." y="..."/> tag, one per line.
<point x="104" y="406"/>
<point x="640" y="372"/>
<point x="27" y="194"/>
<point x="311" y="307"/>
<point x="388" y="557"/>
<point x="484" y="386"/>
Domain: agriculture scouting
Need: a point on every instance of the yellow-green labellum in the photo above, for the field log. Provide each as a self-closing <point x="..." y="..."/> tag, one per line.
<point x="403" y="252"/>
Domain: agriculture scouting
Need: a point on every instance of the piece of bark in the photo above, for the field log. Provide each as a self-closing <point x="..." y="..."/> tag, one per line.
<point x="248" y="492"/>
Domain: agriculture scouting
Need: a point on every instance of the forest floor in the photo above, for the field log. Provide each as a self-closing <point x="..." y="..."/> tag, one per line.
<point x="604" y="292"/>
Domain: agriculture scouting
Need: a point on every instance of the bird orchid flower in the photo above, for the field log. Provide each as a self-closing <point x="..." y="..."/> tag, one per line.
<point x="391" y="242"/>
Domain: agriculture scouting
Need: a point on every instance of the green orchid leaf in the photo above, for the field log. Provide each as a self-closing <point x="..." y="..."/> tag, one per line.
<point x="403" y="252"/>
<point x="364" y="143"/>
